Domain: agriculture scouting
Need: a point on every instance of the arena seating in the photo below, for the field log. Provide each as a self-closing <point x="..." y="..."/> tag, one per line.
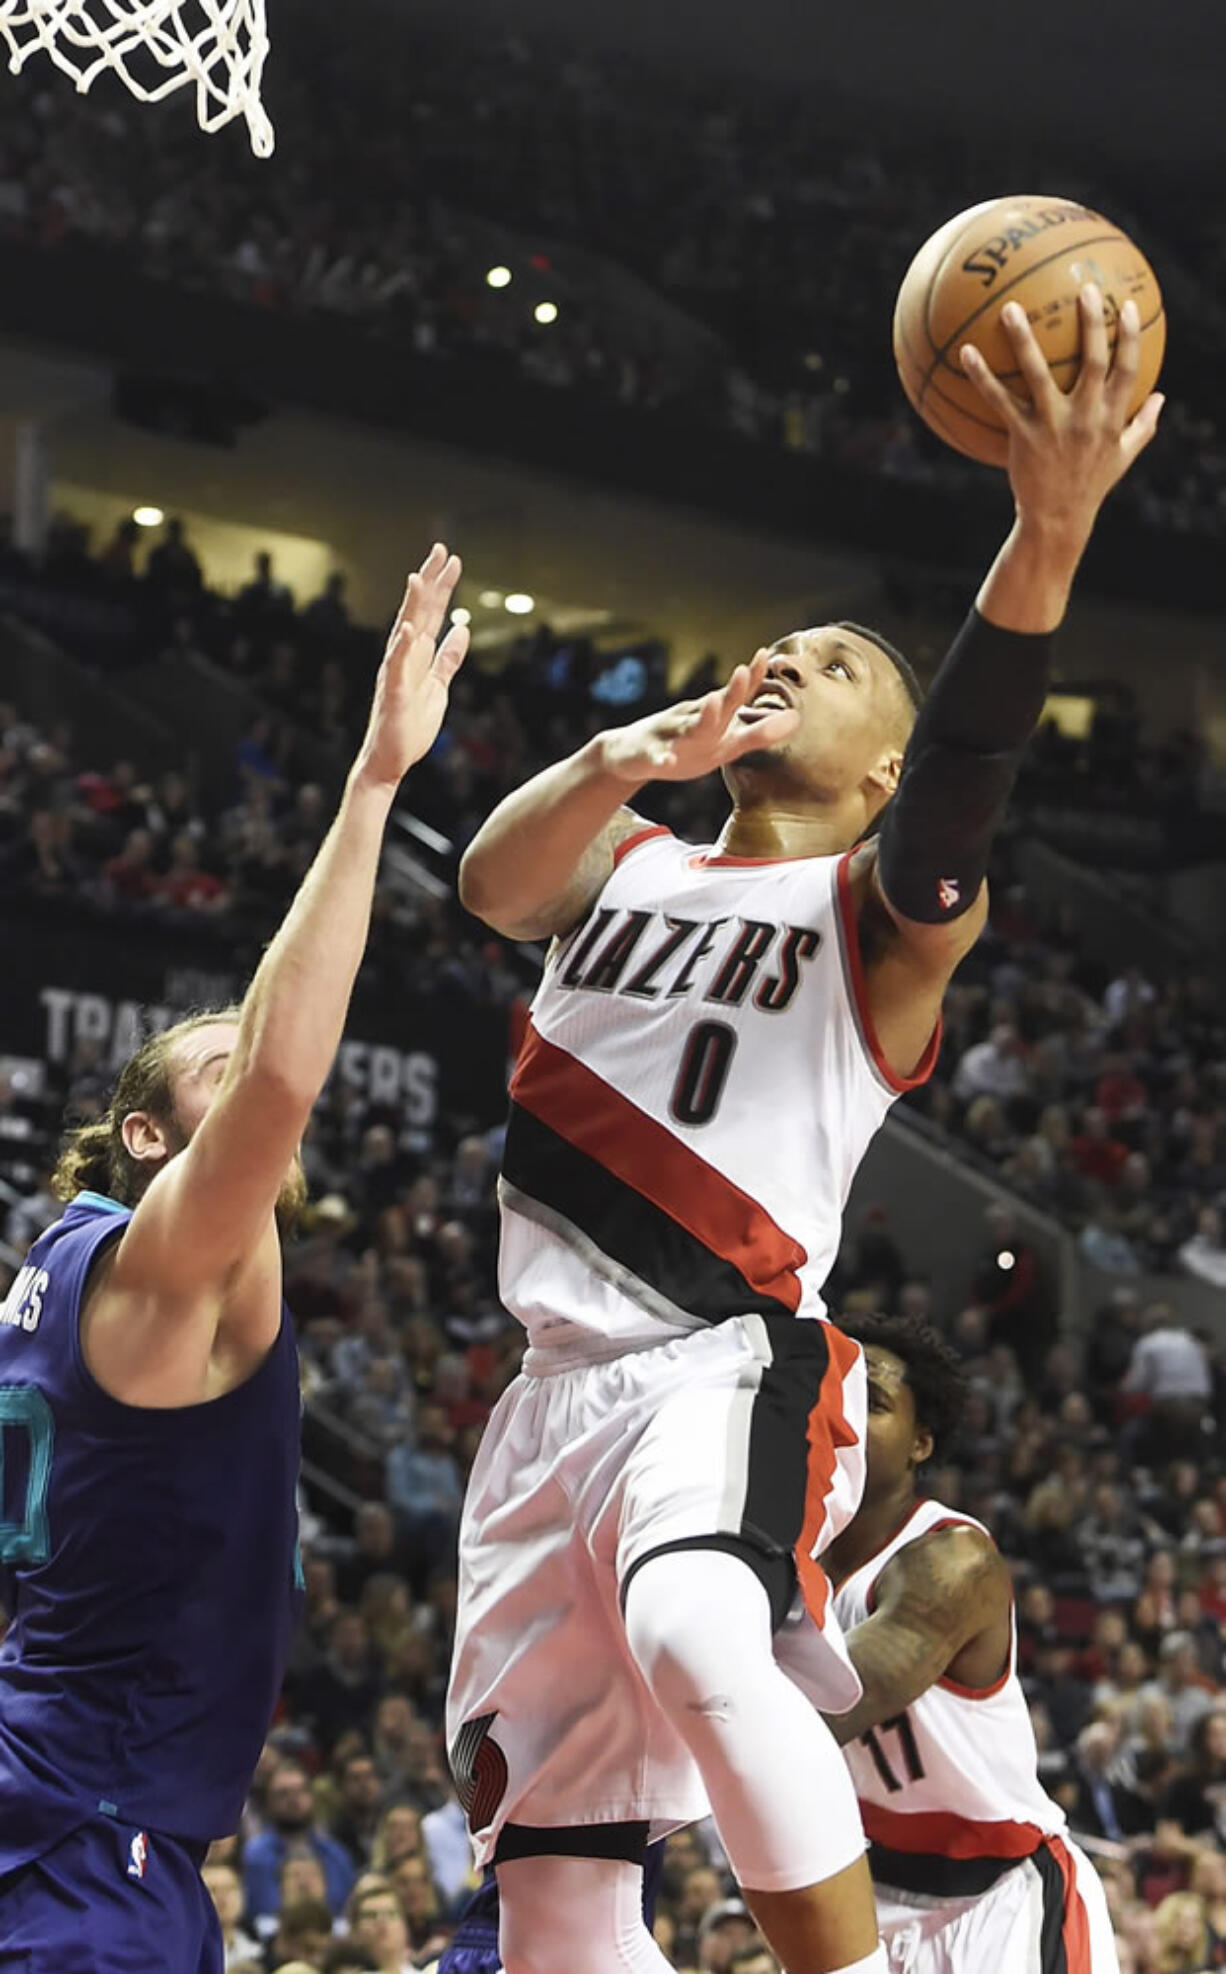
<point x="649" y="211"/>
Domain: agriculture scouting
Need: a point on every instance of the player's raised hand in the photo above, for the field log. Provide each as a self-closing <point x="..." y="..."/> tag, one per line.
<point x="696" y="736"/>
<point x="1067" y="450"/>
<point x="416" y="673"/>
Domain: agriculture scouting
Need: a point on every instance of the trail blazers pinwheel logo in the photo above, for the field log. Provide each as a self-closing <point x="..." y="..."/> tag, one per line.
<point x="480" y="1770"/>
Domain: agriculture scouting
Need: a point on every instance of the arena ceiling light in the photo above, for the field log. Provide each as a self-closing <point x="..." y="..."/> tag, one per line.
<point x="490" y="599"/>
<point x="148" y="517"/>
<point x="545" y="312"/>
<point x="461" y="616"/>
<point x="498" y="277"/>
<point x="519" y="603"/>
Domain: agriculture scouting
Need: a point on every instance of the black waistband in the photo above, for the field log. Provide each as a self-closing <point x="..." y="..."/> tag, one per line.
<point x="937" y="1877"/>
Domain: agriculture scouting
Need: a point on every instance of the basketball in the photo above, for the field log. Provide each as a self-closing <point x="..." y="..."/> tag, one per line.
<point x="1029" y="249"/>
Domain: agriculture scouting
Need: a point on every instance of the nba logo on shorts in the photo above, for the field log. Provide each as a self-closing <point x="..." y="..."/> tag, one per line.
<point x="138" y="1855"/>
<point x="948" y="891"/>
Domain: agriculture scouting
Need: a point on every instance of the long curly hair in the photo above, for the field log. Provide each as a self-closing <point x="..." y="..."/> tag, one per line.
<point x="93" y="1157"/>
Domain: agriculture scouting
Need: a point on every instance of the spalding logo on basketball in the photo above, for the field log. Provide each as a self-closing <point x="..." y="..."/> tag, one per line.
<point x="1035" y="250"/>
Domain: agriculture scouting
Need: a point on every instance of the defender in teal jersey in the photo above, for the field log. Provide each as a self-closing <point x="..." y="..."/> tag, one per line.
<point x="149" y="1418"/>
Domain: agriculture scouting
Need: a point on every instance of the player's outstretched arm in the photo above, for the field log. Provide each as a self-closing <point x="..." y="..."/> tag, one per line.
<point x="943" y="1601"/>
<point x="1067" y="451"/>
<point x="546" y="852"/>
<point x="926" y="884"/>
<point x="202" y="1243"/>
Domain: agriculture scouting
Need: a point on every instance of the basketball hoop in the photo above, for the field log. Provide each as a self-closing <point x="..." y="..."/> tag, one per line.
<point x="154" y="47"/>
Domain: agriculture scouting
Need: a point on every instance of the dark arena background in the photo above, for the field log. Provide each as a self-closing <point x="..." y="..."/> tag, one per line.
<point x="603" y="298"/>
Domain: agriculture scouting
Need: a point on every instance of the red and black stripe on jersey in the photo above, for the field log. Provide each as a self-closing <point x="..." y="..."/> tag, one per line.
<point x="944" y="1856"/>
<point x="640" y="1195"/>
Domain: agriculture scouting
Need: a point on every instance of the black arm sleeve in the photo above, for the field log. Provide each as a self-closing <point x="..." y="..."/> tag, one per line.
<point x="959" y="769"/>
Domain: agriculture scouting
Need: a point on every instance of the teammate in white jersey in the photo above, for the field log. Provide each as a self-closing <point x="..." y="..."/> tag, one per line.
<point x="717" y="1036"/>
<point x="970" y="1857"/>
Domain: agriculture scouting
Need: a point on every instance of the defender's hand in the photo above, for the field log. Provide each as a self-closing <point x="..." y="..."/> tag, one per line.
<point x="696" y="736"/>
<point x="1067" y="451"/>
<point x="415" y="676"/>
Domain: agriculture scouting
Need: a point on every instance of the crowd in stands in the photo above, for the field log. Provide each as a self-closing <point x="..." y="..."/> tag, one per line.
<point x="713" y="255"/>
<point x="1100" y="1100"/>
<point x="1102" y="1468"/>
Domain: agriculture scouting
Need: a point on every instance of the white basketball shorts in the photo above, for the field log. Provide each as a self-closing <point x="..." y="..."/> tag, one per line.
<point x="753" y="1428"/>
<point x="1045" y="1915"/>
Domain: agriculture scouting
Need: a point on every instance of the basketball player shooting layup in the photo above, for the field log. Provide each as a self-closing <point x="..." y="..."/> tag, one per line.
<point x="149" y="1419"/>
<point x="717" y="1037"/>
<point x="970" y="1856"/>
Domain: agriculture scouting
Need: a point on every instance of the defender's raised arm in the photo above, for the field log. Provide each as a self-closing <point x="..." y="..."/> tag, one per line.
<point x="197" y="1272"/>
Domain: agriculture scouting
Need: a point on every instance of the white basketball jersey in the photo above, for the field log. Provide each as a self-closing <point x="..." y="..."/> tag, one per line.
<point x="699" y="1082"/>
<point x="955" y="1776"/>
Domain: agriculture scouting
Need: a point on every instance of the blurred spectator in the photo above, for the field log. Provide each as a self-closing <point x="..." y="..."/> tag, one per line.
<point x="1170" y="1370"/>
<point x="341" y="1694"/>
<point x="448" y="1849"/>
<point x="1181" y="1935"/>
<point x="185" y="884"/>
<point x="1113" y="1544"/>
<point x="359" y="1812"/>
<point x="42" y="860"/>
<point x="291" y="1831"/>
<point x="1098" y="1810"/>
<point x="172" y="567"/>
<point x="379" y="1925"/>
<point x="225" y="1888"/>
<point x="994" y="1068"/>
<point x="1103" y="1242"/>
<point x="724" y="1929"/>
<point x="130" y="874"/>
<point x="264" y="597"/>
<point x="399" y="1835"/>
<point x="304" y="1932"/>
<point x="327" y="615"/>
<point x="172" y="809"/>
<point x="1097" y="1155"/>
<point x="1009" y="1289"/>
<point x="1204" y="1253"/>
<point x="423" y="1485"/>
<point x="118" y="558"/>
<point x="1130" y="993"/>
<point x="302" y="1877"/>
<point x="1183" y="1686"/>
<point x="1196" y="1799"/>
<point x="383" y="1408"/>
<point x="396" y="1747"/>
<point x="375" y="1548"/>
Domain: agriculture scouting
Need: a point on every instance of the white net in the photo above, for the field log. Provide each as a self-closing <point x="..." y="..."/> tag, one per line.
<point x="154" y="47"/>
